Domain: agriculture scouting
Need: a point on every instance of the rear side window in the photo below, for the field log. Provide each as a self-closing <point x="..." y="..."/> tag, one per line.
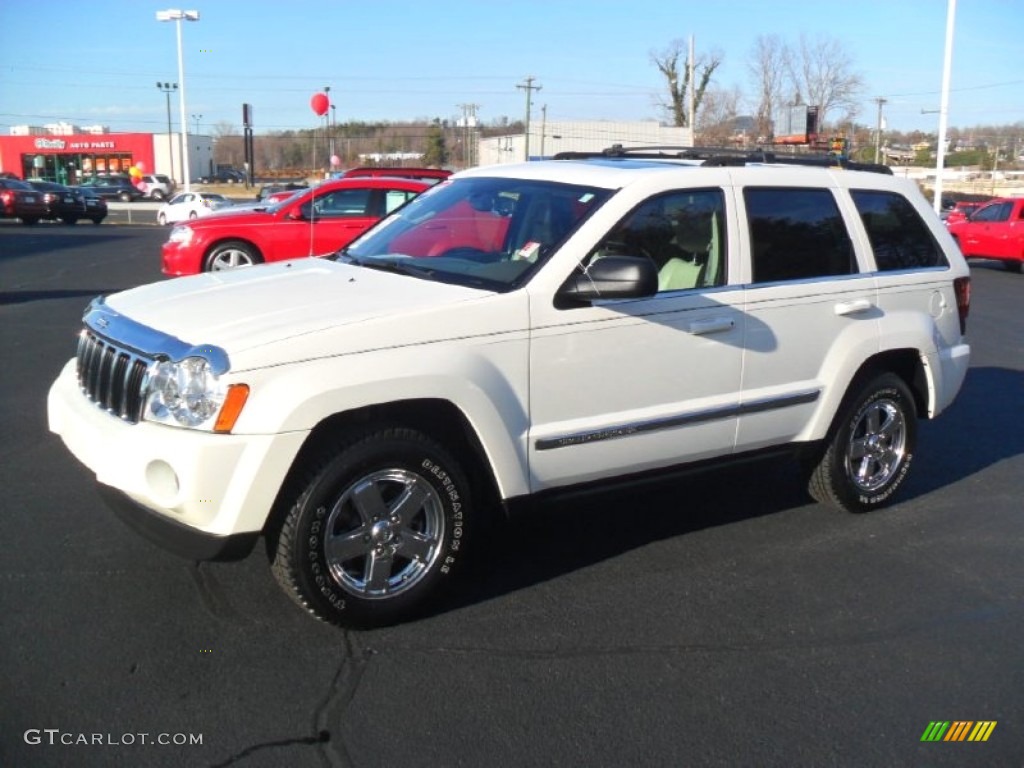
<point x="797" y="234"/>
<point x="898" y="236"/>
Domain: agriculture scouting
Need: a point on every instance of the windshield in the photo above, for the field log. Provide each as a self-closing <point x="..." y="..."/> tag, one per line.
<point x="485" y="232"/>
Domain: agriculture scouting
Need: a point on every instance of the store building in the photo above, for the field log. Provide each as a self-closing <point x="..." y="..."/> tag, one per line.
<point x="72" y="158"/>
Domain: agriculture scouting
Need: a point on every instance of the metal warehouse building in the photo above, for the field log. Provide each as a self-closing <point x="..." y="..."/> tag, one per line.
<point x="549" y="138"/>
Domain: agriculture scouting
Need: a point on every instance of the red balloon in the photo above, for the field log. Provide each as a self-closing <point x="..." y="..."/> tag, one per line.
<point x="320" y="103"/>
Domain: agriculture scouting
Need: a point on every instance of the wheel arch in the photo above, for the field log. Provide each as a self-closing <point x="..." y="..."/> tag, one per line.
<point x="439" y="419"/>
<point x="232" y="239"/>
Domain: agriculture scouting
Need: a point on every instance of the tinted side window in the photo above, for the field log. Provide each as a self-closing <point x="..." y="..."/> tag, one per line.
<point x="682" y="232"/>
<point x="898" y="236"/>
<point x="993" y="212"/>
<point x="796" y="234"/>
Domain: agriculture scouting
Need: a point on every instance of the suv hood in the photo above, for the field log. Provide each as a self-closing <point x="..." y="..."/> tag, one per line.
<point x="243" y="309"/>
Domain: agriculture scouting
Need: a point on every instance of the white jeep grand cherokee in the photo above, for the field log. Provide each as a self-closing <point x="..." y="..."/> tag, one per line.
<point x="515" y="330"/>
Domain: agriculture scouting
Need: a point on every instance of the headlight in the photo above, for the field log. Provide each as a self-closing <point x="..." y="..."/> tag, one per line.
<point x="185" y="393"/>
<point x="181" y="234"/>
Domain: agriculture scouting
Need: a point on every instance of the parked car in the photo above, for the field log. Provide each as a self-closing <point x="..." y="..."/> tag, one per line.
<point x="62" y="202"/>
<point x="18" y="200"/>
<point x="113" y="188"/>
<point x="431" y="175"/>
<point x="522" y="332"/>
<point x="95" y="206"/>
<point x="274" y="189"/>
<point x="993" y="231"/>
<point x="961" y="210"/>
<point x="319" y="221"/>
<point x="190" y="205"/>
<point x="223" y="176"/>
<point x="158" y="186"/>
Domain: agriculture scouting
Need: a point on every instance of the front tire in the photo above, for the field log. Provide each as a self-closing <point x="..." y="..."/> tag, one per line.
<point x="377" y="530"/>
<point x="230" y="255"/>
<point x="870" y="450"/>
<point x="161" y="219"/>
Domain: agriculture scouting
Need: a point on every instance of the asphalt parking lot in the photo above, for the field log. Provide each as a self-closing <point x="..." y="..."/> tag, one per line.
<point x="722" y="620"/>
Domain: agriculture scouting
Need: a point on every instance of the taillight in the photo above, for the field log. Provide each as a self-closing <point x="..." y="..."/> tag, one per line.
<point x="962" y="289"/>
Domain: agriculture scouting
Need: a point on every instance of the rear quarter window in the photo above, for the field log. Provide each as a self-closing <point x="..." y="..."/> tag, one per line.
<point x="899" y="237"/>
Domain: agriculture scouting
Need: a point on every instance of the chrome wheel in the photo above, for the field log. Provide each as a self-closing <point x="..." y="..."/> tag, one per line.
<point x="877" y="445"/>
<point x="384" y="533"/>
<point x="231" y="256"/>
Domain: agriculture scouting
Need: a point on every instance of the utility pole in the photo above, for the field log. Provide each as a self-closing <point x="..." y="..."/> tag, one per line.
<point x="468" y="124"/>
<point x="878" y="129"/>
<point x="543" y="127"/>
<point x="529" y="87"/>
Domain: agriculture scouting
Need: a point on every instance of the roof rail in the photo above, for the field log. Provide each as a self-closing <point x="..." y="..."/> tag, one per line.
<point x="728" y="156"/>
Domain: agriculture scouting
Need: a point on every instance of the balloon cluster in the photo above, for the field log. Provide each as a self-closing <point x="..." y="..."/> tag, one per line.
<point x="135" y="172"/>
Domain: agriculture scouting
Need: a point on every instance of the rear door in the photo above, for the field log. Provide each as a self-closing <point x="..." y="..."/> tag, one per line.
<point x="807" y="296"/>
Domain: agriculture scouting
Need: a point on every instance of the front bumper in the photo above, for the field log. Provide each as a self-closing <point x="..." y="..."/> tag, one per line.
<point x="193" y="492"/>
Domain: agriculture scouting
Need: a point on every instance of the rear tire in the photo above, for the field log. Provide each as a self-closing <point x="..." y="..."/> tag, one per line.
<point x="870" y="448"/>
<point x="1013" y="266"/>
<point x="377" y="530"/>
<point x="29" y="221"/>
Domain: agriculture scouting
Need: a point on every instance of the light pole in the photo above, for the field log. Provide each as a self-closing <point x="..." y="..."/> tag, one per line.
<point x="176" y="16"/>
<point x="169" y="88"/>
<point x="197" y="118"/>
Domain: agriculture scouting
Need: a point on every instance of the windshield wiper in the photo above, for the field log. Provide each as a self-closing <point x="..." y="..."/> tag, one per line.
<point x="398" y="266"/>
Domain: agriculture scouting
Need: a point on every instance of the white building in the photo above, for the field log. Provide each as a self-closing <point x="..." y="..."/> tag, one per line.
<point x="546" y="139"/>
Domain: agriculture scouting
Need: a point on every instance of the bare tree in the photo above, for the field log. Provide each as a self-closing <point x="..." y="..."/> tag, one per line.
<point x="768" y="64"/>
<point x="716" y="120"/>
<point x="677" y="78"/>
<point x="822" y="76"/>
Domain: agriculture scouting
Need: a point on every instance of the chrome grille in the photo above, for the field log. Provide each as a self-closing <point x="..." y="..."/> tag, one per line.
<point x="111" y="377"/>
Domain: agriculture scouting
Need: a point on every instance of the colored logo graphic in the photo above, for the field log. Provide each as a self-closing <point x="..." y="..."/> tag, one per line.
<point x="958" y="730"/>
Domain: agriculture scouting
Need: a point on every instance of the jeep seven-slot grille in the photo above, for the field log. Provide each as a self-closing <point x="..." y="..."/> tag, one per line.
<point x="111" y="377"/>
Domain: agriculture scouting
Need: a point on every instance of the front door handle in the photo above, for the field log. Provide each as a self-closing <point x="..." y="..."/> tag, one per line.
<point x="710" y="325"/>
<point x="855" y="307"/>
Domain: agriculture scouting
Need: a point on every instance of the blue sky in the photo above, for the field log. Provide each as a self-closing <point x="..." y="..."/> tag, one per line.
<point x="98" y="61"/>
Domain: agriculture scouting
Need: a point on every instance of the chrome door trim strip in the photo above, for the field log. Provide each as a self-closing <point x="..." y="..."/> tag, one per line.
<point x="682" y="420"/>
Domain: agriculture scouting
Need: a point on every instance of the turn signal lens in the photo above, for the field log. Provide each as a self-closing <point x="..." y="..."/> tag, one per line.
<point x="232" y="408"/>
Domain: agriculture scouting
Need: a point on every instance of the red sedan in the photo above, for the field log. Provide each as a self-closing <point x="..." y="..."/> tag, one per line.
<point x="993" y="231"/>
<point x="314" y="223"/>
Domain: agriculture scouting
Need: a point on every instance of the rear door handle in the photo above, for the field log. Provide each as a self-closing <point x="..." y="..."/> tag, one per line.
<point x="710" y="325"/>
<point x="855" y="307"/>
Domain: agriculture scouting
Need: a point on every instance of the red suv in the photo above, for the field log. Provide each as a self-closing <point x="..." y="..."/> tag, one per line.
<point x="432" y="175"/>
<point x="314" y="223"/>
<point x="993" y="231"/>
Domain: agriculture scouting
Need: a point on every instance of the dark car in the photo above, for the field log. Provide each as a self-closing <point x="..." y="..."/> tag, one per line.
<point x="224" y="176"/>
<point x="95" y="206"/>
<point x="274" y="189"/>
<point x="18" y="200"/>
<point x="62" y="202"/>
<point x="113" y="188"/>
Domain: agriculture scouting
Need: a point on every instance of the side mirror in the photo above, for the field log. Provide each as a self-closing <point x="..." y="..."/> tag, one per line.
<point x="612" y="277"/>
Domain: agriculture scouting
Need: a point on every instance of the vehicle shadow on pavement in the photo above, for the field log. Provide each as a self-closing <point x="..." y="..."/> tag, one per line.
<point x="559" y="537"/>
<point x="983" y="427"/>
<point x="41" y="239"/>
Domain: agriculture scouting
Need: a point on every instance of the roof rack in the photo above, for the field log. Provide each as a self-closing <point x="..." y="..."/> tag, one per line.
<point x="727" y="156"/>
